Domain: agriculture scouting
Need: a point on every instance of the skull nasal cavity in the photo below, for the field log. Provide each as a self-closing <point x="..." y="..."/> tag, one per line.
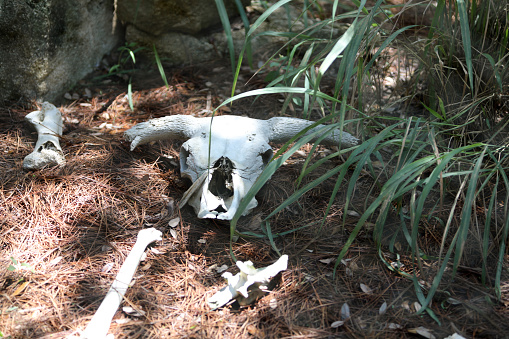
<point x="221" y="184"/>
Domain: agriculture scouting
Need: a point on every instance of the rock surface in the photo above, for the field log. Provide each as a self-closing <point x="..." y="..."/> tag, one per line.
<point x="194" y="42"/>
<point x="48" y="45"/>
<point x="162" y="16"/>
<point x="180" y="29"/>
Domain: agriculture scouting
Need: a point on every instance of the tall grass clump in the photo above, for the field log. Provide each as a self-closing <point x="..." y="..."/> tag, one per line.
<point x="446" y="168"/>
<point x="465" y="59"/>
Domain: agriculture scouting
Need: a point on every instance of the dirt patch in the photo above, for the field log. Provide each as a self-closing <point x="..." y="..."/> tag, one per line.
<point x="69" y="229"/>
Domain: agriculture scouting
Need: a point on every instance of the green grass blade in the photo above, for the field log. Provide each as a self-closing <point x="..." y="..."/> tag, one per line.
<point x="384" y="45"/>
<point x="130" y="94"/>
<point x="133" y="58"/>
<point x="251" y="31"/>
<point x="280" y="90"/>
<point x="465" y="36"/>
<point x="246" y="23"/>
<point x="431" y="181"/>
<point x="505" y="231"/>
<point x="487" y="230"/>
<point x="225" y="21"/>
<point x="468" y="205"/>
<point x="498" y="78"/>
<point x="338" y="48"/>
<point x="160" y="66"/>
<point x="271" y="238"/>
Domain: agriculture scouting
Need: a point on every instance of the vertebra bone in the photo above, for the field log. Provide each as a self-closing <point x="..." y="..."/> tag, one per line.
<point x="47" y="152"/>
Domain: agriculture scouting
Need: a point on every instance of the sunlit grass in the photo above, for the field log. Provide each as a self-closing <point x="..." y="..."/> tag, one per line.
<point x="425" y="154"/>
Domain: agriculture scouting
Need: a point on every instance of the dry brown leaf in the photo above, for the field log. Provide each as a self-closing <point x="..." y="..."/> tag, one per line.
<point x="20" y="289"/>
<point x="221" y="269"/>
<point x="327" y="261"/>
<point x="422" y="331"/>
<point x="173" y="233"/>
<point x="366" y="289"/>
<point x="393" y="326"/>
<point x="417" y="306"/>
<point x="107" y="267"/>
<point x="353" y="213"/>
<point x="134" y="312"/>
<point x="337" y="324"/>
<point x="345" y="311"/>
<point x="174" y="222"/>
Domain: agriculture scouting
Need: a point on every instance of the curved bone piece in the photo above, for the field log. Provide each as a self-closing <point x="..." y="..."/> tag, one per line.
<point x="223" y="156"/>
<point x="47" y="152"/>
<point x="249" y="277"/>
<point x="100" y="323"/>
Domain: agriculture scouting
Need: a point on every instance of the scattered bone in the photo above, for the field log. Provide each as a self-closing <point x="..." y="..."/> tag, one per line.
<point x="239" y="151"/>
<point x="133" y="312"/>
<point x="47" y="152"/>
<point x="173" y="233"/>
<point x="174" y="222"/>
<point x="255" y="280"/>
<point x="100" y="323"/>
<point x="345" y="312"/>
<point x="337" y="324"/>
<point x="88" y="93"/>
<point x="455" y="336"/>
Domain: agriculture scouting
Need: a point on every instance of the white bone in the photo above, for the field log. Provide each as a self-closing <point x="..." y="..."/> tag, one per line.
<point x="243" y="141"/>
<point x="47" y="152"/>
<point x="100" y="323"/>
<point x="248" y="277"/>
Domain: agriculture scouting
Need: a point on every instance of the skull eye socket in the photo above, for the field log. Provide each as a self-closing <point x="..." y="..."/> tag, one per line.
<point x="184" y="154"/>
<point x="266" y="156"/>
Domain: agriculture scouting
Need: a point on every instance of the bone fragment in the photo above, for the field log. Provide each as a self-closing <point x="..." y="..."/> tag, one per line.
<point x="100" y="323"/>
<point x="248" y="277"/>
<point x="47" y="152"/>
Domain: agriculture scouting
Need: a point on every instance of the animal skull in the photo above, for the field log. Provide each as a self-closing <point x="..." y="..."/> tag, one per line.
<point x="239" y="151"/>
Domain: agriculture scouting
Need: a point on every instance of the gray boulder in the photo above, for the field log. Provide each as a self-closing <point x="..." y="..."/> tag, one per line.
<point x="188" y="35"/>
<point x="181" y="30"/>
<point x="163" y="16"/>
<point x="46" y="46"/>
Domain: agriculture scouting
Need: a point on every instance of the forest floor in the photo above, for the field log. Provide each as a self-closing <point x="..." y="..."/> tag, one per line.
<point x="65" y="232"/>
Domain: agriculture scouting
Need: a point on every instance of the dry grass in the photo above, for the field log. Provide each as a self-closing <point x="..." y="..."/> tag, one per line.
<point x="75" y="225"/>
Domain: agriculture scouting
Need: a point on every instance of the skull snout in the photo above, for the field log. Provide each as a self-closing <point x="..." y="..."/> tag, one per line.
<point x="221" y="182"/>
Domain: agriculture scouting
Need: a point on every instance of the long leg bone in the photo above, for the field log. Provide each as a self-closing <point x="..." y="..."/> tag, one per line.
<point x="47" y="152"/>
<point x="100" y="323"/>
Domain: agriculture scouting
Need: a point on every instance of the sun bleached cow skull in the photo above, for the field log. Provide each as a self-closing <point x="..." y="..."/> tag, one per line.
<point x="239" y="151"/>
